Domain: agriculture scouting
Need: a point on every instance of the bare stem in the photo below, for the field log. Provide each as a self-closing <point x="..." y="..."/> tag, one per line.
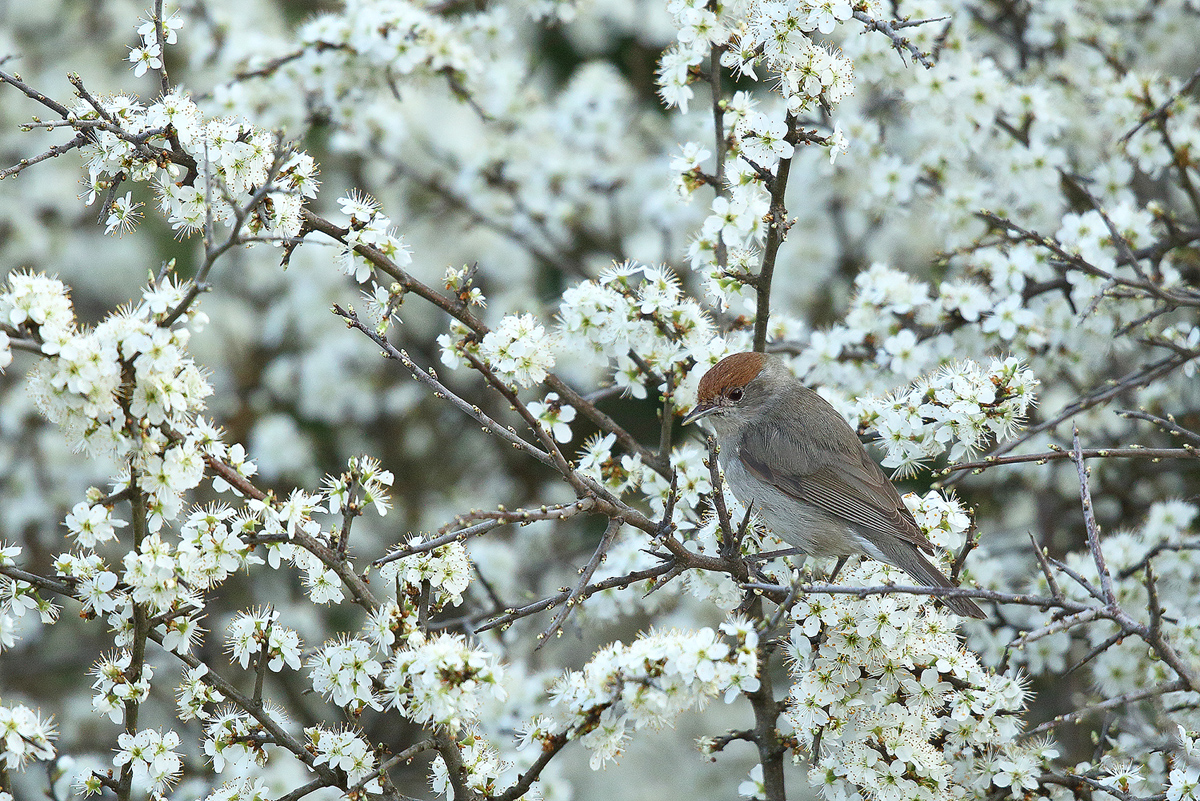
<point x="777" y="228"/>
<point x="1093" y="529"/>
<point x="585" y="575"/>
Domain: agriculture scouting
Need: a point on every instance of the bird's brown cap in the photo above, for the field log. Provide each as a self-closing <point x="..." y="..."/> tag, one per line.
<point x="737" y="370"/>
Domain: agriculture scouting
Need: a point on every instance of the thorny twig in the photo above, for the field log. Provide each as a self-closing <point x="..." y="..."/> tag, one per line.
<point x="1051" y="582"/>
<point x="718" y="499"/>
<point x="780" y="591"/>
<point x="1093" y="529"/>
<point x="459" y="312"/>
<point x="585" y="575"/>
<point x="1167" y="424"/>
<point x="777" y="229"/>
<point x="564" y="512"/>
<point x="1056" y="453"/>
<point x="1110" y="703"/>
<point x="902" y="44"/>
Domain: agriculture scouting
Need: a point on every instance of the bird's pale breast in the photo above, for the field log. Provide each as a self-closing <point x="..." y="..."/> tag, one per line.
<point x="802" y="526"/>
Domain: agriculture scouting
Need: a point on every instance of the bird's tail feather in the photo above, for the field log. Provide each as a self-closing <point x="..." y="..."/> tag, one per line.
<point x="913" y="562"/>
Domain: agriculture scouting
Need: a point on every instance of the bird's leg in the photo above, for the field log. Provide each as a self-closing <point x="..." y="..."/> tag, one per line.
<point x="841" y="562"/>
<point x="763" y="556"/>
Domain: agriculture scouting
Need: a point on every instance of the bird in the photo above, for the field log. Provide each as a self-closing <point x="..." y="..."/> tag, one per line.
<point x="789" y="455"/>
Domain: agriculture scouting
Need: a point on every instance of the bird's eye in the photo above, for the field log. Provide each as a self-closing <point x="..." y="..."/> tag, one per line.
<point x="735" y="394"/>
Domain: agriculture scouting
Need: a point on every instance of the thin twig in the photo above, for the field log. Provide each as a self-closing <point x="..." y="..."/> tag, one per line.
<point x="429" y="379"/>
<point x="53" y="105"/>
<point x="1095" y="652"/>
<point x="1092" y="590"/>
<point x="777" y="228"/>
<point x="900" y="44"/>
<point x="494" y="520"/>
<point x="512" y="615"/>
<point x="725" y="528"/>
<point x="1056" y="626"/>
<point x="520" y="787"/>
<point x="585" y="575"/>
<point x="1025" y="599"/>
<point x="164" y="83"/>
<point x="1093" y="528"/>
<point x="1045" y="565"/>
<point x="1168" y="424"/>
<point x="53" y="152"/>
<point x="260" y="669"/>
<point x="1133" y="452"/>
<point x="305" y="789"/>
<point x="424" y="547"/>
<point x="1110" y="703"/>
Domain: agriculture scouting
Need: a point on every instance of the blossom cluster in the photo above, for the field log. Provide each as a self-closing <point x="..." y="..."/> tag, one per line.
<point x="225" y="170"/>
<point x="343" y="671"/>
<point x="18" y="597"/>
<point x="371" y="228"/>
<point x="364" y="475"/>
<point x="778" y="33"/>
<point x="260" y="636"/>
<point x="961" y="408"/>
<point x="211" y="547"/>
<point x="153" y="757"/>
<point x="519" y="349"/>
<point x="648" y="683"/>
<point x="232" y="741"/>
<point x="446" y="569"/>
<point x="441" y="680"/>
<point x="24" y="737"/>
<point x="781" y="33"/>
<point x="114" y="687"/>
<point x="942" y="519"/>
<point x="344" y="749"/>
<point x="600" y="460"/>
<point x="84" y="388"/>
<point x="634" y="309"/>
<point x="893" y="706"/>
<point x="195" y="697"/>
<point x="630" y="309"/>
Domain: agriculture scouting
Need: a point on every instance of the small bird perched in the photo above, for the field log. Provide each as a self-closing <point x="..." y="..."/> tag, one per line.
<point x="789" y="454"/>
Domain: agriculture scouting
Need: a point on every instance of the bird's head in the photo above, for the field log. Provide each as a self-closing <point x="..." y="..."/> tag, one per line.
<point x="734" y="391"/>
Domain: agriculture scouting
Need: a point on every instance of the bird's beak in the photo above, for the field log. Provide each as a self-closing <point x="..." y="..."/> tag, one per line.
<point x="699" y="412"/>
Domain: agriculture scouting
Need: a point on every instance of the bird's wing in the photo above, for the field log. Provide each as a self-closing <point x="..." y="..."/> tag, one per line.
<point x="844" y="483"/>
